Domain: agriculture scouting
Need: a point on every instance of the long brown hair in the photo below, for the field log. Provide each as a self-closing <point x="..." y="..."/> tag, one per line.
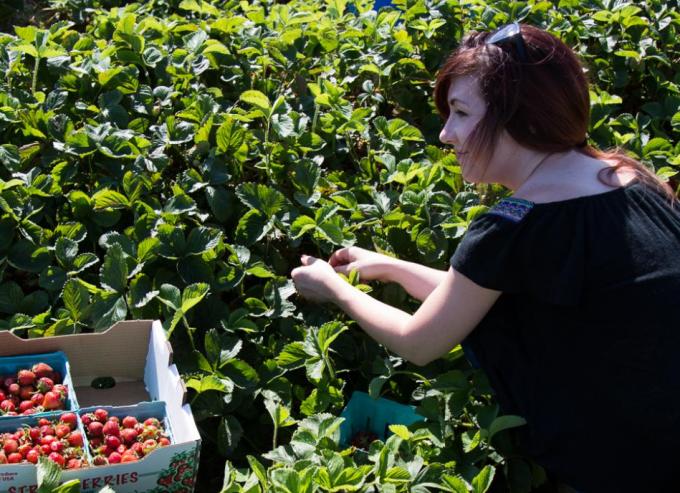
<point x="543" y="102"/>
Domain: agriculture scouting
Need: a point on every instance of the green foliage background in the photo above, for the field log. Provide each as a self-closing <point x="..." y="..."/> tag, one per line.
<point x="172" y="159"/>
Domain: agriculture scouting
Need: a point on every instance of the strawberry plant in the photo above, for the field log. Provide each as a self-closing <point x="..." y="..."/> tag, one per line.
<point x="173" y="159"/>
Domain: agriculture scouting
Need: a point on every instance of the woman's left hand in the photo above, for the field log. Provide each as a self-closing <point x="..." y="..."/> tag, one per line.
<point x="315" y="279"/>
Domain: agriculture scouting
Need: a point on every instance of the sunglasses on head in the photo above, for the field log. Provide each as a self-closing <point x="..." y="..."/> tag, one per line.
<point x="510" y="34"/>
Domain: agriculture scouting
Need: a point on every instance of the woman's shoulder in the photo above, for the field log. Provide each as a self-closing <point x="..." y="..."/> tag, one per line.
<point x="578" y="180"/>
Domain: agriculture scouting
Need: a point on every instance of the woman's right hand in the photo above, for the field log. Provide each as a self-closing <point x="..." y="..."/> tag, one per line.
<point x="372" y="266"/>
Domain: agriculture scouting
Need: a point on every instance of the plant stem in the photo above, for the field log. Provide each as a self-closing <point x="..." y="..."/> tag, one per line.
<point x="34" y="85"/>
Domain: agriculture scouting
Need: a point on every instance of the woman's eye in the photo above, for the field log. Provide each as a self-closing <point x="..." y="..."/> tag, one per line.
<point x="460" y="113"/>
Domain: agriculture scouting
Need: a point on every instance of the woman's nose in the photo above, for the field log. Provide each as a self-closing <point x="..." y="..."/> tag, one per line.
<point x="446" y="136"/>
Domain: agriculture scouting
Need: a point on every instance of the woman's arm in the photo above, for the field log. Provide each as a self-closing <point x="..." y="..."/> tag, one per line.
<point x="419" y="281"/>
<point x="451" y="310"/>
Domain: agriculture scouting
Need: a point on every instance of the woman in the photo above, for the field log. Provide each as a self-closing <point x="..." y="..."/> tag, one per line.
<point x="566" y="294"/>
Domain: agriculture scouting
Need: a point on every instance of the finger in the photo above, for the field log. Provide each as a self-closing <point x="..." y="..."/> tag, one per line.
<point x="343" y="269"/>
<point x="339" y="257"/>
<point x="307" y="259"/>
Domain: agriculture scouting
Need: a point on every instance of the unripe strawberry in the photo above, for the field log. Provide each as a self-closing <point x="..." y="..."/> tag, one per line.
<point x="149" y="445"/>
<point x="111" y="428"/>
<point x="75" y="439"/>
<point x="129" y="422"/>
<point x="42" y="370"/>
<point x="57" y="457"/>
<point x="95" y="428"/>
<point x="3" y="458"/>
<point x="101" y="415"/>
<point x="69" y="419"/>
<point x="33" y="456"/>
<point x="14" y="458"/>
<point x="26" y="377"/>
<point x="115" y="458"/>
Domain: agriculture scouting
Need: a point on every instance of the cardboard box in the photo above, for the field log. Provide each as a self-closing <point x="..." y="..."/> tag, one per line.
<point x="139" y="357"/>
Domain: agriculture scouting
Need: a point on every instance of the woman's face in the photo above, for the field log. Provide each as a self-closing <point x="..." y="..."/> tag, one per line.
<point x="466" y="108"/>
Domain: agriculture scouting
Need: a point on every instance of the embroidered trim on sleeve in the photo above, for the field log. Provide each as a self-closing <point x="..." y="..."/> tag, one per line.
<point x="512" y="208"/>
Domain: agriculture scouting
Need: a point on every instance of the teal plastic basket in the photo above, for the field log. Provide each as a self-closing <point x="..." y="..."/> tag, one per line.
<point x="363" y="413"/>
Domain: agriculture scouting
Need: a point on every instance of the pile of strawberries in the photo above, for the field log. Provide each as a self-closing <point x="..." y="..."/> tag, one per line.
<point x="60" y="441"/>
<point x="113" y="440"/>
<point x="30" y="391"/>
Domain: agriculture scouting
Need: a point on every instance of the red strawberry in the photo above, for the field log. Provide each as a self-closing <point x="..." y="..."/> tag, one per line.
<point x="14" y="458"/>
<point x="10" y="446"/>
<point x="61" y="430"/>
<point x="128" y="457"/>
<point x="25" y="406"/>
<point x="115" y="458"/>
<point x="128" y="435"/>
<point x="57" y="457"/>
<point x="14" y="389"/>
<point x="60" y="389"/>
<point x="152" y="422"/>
<point x="111" y="428"/>
<point x="44" y="421"/>
<point x="112" y="441"/>
<point x="56" y="446"/>
<point x="42" y="370"/>
<point x="163" y="441"/>
<point x="75" y="439"/>
<point x="95" y="428"/>
<point x="44" y="385"/>
<point x="26" y="377"/>
<point x="101" y="415"/>
<point x="7" y="406"/>
<point x="52" y="400"/>
<point x="74" y="464"/>
<point x="33" y="456"/>
<point x="87" y="418"/>
<point x="34" y="433"/>
<point x="69" y="419"/>
<point x="100" y="460"/>
<point x="129" y="422"/>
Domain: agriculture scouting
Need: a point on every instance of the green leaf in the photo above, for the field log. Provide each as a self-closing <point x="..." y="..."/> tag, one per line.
<point x="201" y="240"/>
<point x="211" y="382"/>
<point x="192" y="295"/>
<point x="482" y="482"/>
<point x="49" y="475"/>
<point x="76" y="298"/>
<point x="110" y="199"/>
<point x="505" y="422"/>
<point x="257" y="99"/>
<point x="107" y="310"/>
<point x="455" y="484"/>
<point x="114" y="271"/>
<point x="262" y="198"/>
<point x="229" y="136"/>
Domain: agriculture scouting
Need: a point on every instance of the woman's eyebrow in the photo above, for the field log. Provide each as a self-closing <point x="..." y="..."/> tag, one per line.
<point x="453" y="101"/>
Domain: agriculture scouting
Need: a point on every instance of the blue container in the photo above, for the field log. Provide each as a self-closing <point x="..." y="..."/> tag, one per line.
<point x="10" y="365"/>
<point x="11" y="423"/>
<point x="141" y="411"/>
<point x="363" y="413"/>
